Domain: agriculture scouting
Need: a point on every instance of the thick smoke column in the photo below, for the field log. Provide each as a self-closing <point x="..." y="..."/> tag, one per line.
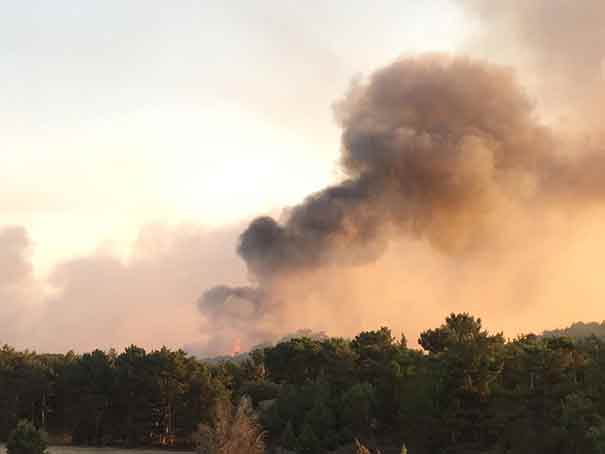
<point x="431" y="147"/>
<point x="443" y="150"/>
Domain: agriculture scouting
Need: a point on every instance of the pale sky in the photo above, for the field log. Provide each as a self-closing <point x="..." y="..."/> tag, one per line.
<point x="118" y="114"/>
<point x="140" y="137"/>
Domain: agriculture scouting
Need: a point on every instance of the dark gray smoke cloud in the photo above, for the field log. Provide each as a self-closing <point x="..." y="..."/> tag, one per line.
<point x="445" y="150"/>
<point x="430" y="147"/>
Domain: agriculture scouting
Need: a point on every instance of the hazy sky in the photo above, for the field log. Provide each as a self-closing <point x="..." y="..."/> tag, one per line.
<point x="117" y="114"/>
<point x="139" y="138"/>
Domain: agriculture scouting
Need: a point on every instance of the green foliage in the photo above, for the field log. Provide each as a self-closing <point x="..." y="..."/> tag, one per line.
<point x="357" y="407"/>
<point x="296" y="361"/>
<point x="288" y="438"/>
<point x="468" y="391"/>
<point x="321" y="418"/>
<point x="26" y="439"/>
<point x="260" y="391"/>
<point x="308" y="441"/>
<point x="579" y="330"/>
<point x="98" y="398"/>
<point x="596" y="435"/>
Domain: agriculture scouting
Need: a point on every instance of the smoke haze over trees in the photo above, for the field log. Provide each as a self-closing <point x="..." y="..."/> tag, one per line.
<point x="469" y="182"/>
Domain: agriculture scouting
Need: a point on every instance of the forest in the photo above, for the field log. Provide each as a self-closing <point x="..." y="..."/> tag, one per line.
<point x="465" y="391"/>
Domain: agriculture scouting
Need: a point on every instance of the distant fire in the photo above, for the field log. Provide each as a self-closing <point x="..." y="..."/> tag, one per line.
<point x="236" y="348"/>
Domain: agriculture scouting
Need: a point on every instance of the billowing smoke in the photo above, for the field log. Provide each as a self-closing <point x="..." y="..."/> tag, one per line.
<point x="430" y="146"/>
<point x="466" y="186"/>
<point x="437" y="150"/>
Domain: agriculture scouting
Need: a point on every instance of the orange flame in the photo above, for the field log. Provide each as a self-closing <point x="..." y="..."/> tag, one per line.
<point x="236" y="349"/>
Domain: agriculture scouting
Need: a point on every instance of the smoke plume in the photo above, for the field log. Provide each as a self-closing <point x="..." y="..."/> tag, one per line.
<point x="441" y="154"/>
<point x="430" y="147"/>
<point x="466" y="186"/>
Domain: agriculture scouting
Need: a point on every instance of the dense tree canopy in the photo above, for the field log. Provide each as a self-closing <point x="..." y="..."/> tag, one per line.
<point x="98" y="398"/>
<point x="468" y="391"/>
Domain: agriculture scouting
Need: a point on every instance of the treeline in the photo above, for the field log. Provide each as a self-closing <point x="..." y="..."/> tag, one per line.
<point x="131" y="399"/>
<point x="468" y="392"/>
<point x="579" y="330"/>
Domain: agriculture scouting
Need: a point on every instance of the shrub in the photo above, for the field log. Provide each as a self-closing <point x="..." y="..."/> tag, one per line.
<point x="26" y="439"/>
<point x="233" y="431"/>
